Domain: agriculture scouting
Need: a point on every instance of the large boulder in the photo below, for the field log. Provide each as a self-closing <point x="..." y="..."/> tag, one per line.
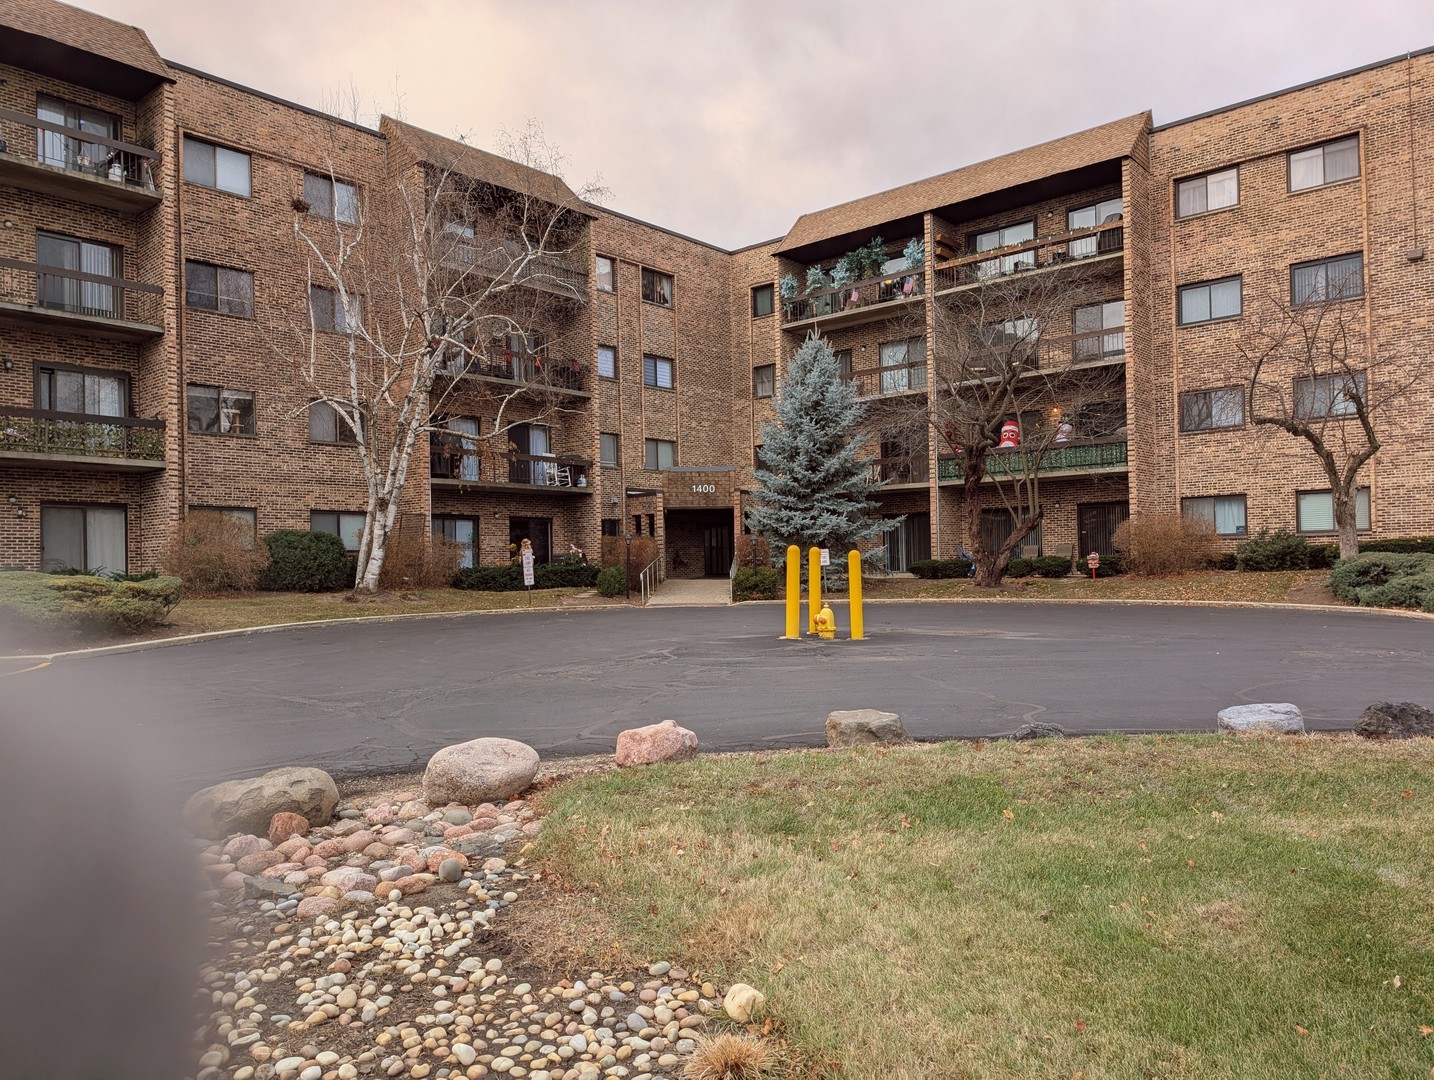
<point x="247" y="806"/>
<point x="1268" y="718"/>
<point x="857" y="727"/>
<point x="1395" y="720"/>
<point x="479" y="771"/>
<point x="664" y="741"/>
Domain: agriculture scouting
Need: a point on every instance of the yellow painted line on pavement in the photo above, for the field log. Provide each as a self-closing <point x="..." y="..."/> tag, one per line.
<point x="34" y="667"/>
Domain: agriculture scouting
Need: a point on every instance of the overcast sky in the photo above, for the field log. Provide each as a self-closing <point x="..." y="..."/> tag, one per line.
<point x="726" y="120"/>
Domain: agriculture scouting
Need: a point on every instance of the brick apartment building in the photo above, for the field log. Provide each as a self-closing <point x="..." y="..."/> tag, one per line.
<point x="151" y="283"/>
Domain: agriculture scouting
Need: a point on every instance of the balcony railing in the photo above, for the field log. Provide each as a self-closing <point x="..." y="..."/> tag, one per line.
<point x="449" y="461"/>
<point x="537" y="370"/>
<point x="1071" y="247"/>
<point x="905" y="469"/>
<point x="53" y="293"/>
<point x="546" y="272"/>
<point x="80" y="164"/>
<point x="887" y="289"/>
<point x="46" y="433"/>
<point x="1086" y="456"/>
<point x="878" y="382"/>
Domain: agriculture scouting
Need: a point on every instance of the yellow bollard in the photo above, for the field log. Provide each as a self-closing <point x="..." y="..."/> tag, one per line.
<point x="853" y="577"/>
<point x="794" y="593"/>
<point x="814" y="588"/>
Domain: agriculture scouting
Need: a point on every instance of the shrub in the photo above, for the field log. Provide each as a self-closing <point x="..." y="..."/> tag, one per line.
<point x="1111" y="565"/>
<point x="502" y="578"/>
<point x="1224" y="561"/>
<point x="417" y="560"/>
<point x="508" y="577"/>
<point x="216" y="552"/>
<point x="1273" y="551"/>
<point x="567" y="574"/>
<point x="941" y="568"/>
<point x="1019" y="568"/>
<point x="132" y="606"/>
<point x="1405" y="546"/>
<point x="1381" y="579"/>
<point x="614" y="553"/>
<point x="1162" y="545"/>
<point x="752" y="550"/>
<point x="1052" y="566"/>
<point x="1323" y="556"/>
<point x="306" y="562"/>
<point x="610" y="581"/>
<point x="756" y="583"/>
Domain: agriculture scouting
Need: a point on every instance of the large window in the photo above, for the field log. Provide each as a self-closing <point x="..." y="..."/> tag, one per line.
<point x="659" y="454"/>
<point x="1314" y="511"/>
<point x="1327" y="164"/>
<point x="1207" y="410"/>
<point x="1340" y="278"/>
<point x="216" y="167"/>
<point x="657" y="371"/>
<point x="657" y="287"/>
<point x="1099" y="331"/>
<point x="609" y="448"/>
<point x="1022" y="233"/>
<point x="66" y="151"/>
<point x="218" y="288"/>
<point x="903" y="365"/>
<point x="90" y="538"/>
<point x="327" y="426"/>
<point x="72" y="294"/>
<point x="462" y="531"/>
<point x="327" y="310"/>
<point x="77" y="390"/>
<point x="1088" y="217"/>
<point x="1324" y="396"/>
<point x="245" y="521"/>
<point x="214" y="410"/>
<point x="606" y="274"/>
<point x="762" y="301"/>
<point x="347" y="527"/>
<point x="764" y="381"/>
<point x="1213" y="191"/>
<point x="1209" y="301"/>
<point x="607" y="361"/>
<point x="330" y="198"/>
<point x="1225" y="513"/>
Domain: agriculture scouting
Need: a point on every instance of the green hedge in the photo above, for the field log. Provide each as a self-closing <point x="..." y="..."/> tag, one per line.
<point x="756" y="583"/>
<point x="509" y="577"/>
<point x="1386" y="579"/>
<point x="1052" y="566"/>
<point x="611" y="581"/>
<point x="302" y="561"/>
<point x="1283" y="550"/>
<point x="85" y="601"/>
<point x="941" y="568"/>
<point x="1407" y="546"/>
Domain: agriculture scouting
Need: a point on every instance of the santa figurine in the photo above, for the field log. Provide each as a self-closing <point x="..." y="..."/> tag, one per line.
<point x="1010" y="435"/>
<point x="1064" y="431"/>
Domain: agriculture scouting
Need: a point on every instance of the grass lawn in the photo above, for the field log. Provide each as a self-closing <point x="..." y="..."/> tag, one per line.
<point x="1172" y="907"/>
<point x="1279" y="587"/>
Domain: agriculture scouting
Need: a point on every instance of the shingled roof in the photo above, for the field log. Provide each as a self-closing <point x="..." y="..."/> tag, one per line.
<point x="481" y="165"/>
<point x="85" y="31"/>
<point x="1118" y="139"/>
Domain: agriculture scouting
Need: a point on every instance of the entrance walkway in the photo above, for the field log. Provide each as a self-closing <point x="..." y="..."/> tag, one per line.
<point x="693" y="592"/>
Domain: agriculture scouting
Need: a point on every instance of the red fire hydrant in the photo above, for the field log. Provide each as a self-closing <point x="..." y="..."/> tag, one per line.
<point x="1093" y="561"/>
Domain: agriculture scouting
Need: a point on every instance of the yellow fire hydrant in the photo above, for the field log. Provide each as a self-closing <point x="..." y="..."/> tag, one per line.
<point x="826" y="623"/>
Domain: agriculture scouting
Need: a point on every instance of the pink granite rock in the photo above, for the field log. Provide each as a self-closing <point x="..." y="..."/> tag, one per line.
<point x="330" y="849"/>
<point x="244" y="844"/>
<point x="286" y="824"/>
<point x="259" y="860"/>
<point x="479" y="770"/>
<point x="313" y="906"/>
<point x="664" y="741"/>
<point x="347" y="879"/>
<point x="438" y="856"/>
<point x="379" y="815"/>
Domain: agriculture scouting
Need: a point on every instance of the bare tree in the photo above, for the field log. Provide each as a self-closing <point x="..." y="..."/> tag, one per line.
<point x="1318" y="374"/>
<point x="1009" y="368"/>
<point x="444" y="292"/>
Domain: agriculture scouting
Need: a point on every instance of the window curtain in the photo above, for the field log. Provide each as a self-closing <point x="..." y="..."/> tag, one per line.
<point x="105" y="539"/>
<point x="468" y="464"/>
<point x="62" y="537"/>
<point x="1229" y="516"/>
<point x="95" y="298"/>
<point x="1307" y="169"/>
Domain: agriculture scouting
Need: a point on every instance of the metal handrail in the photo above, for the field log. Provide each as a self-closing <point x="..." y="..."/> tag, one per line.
<point x="898" y="285"/>
<point x="135" y="163"/>
<point x="48" y="432"/>
<point x="652" y="575"/>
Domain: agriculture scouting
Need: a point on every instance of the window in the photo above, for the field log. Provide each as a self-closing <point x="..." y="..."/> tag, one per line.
<point x="90" y="538"/>
<point x="1210" y="301"/>
<point x="607" y="361"/>
<point x="328" y="313"/>
<point x="347" y="527"/>
<point x="657" y="371"/>
<point x="843" y="359"/>
<point x="216" y="167"/>
<point x="1088" y="217"/>
<point x="1340" y="278"/>
<point x="214" y="410"/>
<point x="327" y="426"/>
<point x="999" y="238"/>
<point x="612" y="526"/>
<point x="903" y="365"/>
<point x="1314" y="511"/>
<point x="245" y="521"/>
<point x="1325" y="396"/>
<point x="606" y="274"/>
<point x="1099" y="331"/>
<point x="762" y="301"/>
<point x="764" y="381"/>
<point x="1225" y="513"/>
<point x="75" y="390"/>
<point x="659" y="454"/>
<point x="330" y="198"/>
<point x="66" y="151"/>
<point x="1325" y="164"/>
<point x="218" y="288"/>
<point x="1206" y="410"/>
<point x="657" y="288"/>
<point x="462" y="531"/>
<point x="72" y="294"/>
<point x="538" y="530"/>
<point x="609" y="445"/>
<point x="1213" y="191"/>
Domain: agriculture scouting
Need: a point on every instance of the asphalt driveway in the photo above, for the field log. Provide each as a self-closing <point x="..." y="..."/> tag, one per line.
<point x="371" y="697"/>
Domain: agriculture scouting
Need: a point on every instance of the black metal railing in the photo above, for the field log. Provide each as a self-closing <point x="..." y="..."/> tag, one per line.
<point x="904" y="469"/>
<point x="449" y="459"/>
<point x="61" y="434"/>
<point x="897" y="379"/>
<point x="1070" y="247"/>
<point x="537" y="370"/>
<point x="74" y="292"/>
<point x="887" y="289"/>
<point x="503" y="262"/>
<point x="49" y="143"/>
<point x="1087" y="455"/>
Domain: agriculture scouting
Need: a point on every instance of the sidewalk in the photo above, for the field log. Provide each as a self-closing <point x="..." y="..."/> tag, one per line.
<point x="692" y="592"/>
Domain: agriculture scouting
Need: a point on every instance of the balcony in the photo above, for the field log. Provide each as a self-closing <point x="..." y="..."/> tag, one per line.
<point x="34" y="294"/>
<point x="61" y="440"/>
<point x="536" y="373"/>
<point x="1103" y="243"/>
<point x="450" y="466"/>
<point x="51" y="159"/>
<point x="504" y="262"/>
<point x="899" y="471"/>
<point x="1085" y="458"/>
<point x="862" y="302"/>
<point x="887" y="381"/>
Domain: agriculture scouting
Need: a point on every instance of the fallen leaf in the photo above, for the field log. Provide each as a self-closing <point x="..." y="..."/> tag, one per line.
<point x="1407" y="794"/>
<point x="1301" y="1031"/>
<point x="778" y="966"/>
<point x="1008" y="815"/>
<point x="1426" y="1030"/>
<point x="836" y="845"/>
<point x="905" y="822"/>
<point x="1398" y="982"/>
<point x="1080" y="1026"/>
<point x="1189" y="862"/>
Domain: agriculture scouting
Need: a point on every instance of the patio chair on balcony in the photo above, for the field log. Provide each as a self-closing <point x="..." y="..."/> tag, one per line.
<point x="556" y="474"/>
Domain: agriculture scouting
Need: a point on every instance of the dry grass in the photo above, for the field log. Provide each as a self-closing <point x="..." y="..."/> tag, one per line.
<point x="1281" y="587"/>
<point x="730" y="1057"/>
<point x="1177" y="907"/>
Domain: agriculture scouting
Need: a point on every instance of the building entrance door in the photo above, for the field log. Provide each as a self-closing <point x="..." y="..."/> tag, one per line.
<point x="1097" y="523"/>
<point x="717" y="550"/>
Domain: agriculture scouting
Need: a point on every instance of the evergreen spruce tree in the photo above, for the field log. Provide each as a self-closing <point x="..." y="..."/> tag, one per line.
<point x="814" y="488"/>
